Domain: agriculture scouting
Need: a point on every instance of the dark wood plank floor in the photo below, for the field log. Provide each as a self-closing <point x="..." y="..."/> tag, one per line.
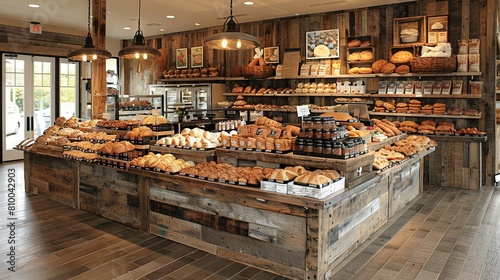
<point x="443" y="234"/>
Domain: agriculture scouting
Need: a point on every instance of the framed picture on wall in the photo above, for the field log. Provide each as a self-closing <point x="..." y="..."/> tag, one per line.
<point x="437" y="29"/>
<point x="181" y="58"/>
<point x="322" y="44"/>
<point x="197" y="57"/>
<point x="272" y="55"/>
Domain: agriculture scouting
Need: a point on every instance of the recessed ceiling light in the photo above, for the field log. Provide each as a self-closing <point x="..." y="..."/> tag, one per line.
<point x="248" y="3"/>
<point x="127" y="28"/>
<point x="34" y="6"/>
<point x="170" y="16"/>
<point x="162" y="30"/>
<point x="197" y="24"/>
<point x="297" y="14"/>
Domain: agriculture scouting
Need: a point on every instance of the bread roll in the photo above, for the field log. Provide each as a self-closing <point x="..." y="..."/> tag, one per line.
<point x="388" y="68"/>
<point x="354" y="43"/>
<point x="377" y="65"/>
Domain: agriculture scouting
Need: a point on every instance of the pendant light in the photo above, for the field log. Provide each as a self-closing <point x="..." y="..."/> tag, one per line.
<point x="231" y="38"/>
<point x="138" y="49"/>
<point x="89" y="52"/>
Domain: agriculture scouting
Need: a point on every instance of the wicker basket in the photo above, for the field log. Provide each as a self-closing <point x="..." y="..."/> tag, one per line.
<point x="434" y="64"/>
<point x="237" y="71"/>
<point x="257" y="72"/>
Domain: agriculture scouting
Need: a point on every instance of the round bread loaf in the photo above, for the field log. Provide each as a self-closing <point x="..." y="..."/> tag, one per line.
<point x="355" y="56"/>
<point x="402" y="57"/>
<point x="388" y="68"/>
<point x="365" y="70"/>
<point x="365" y="44"/>
<point x="403" y="69"/>
<point x="354" y="43"/>
<point x="354" y="70"/>
<point x="365" y="56"/>
<point x="377" y="65"/>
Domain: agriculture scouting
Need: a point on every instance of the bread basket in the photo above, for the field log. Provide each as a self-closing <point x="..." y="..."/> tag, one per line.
<point x="257" y="72"/>
<point x="434" y="64"/>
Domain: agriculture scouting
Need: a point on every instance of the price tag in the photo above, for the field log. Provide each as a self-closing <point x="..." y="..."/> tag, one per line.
<point x="303" y="111"/>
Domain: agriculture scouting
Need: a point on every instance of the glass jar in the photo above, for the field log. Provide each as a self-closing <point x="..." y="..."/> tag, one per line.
<point x="298" y="145"/>
<point x="327" y="134"/>
<point x="310" y="133"/>
<point x="307" y="123"/>
<point x="302" y="133"/>
<point x="318" y="133"/>
<point x="317" y="123"/>
<point x="318" y="147"/>
<point x="329" y="123"/>
<point x="337" y="149"/>
<point x="327" y="147"/>
<point x="344" y="149"/>
<point x="308" y="146"/>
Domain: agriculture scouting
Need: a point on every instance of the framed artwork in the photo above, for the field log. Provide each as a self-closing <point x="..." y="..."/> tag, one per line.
<point x="181" y="58"/>
<point x="272" y="55"/>
<point x="197" y="57"/>
<point x="437" y="29"/>
<point x="409" y="31"/>
<point x="322" y="44"/>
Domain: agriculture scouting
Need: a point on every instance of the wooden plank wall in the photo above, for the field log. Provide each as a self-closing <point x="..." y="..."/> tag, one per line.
<point x="467" y="18"/>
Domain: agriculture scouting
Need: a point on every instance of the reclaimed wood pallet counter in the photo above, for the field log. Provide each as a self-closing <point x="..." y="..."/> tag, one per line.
<point x="294" y="236"/>
<point x="459" y="160"/>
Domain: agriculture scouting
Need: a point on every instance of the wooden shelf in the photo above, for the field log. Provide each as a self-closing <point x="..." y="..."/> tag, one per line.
<point x="443" y="96"/>
<point x="342" y="76"/>
<point x="477" y="117"/>
<point x="372" y="95"/>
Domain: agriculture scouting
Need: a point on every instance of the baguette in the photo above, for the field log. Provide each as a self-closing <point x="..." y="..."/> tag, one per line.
<point x="385" y="126"/>
<point x="254" y="62"/>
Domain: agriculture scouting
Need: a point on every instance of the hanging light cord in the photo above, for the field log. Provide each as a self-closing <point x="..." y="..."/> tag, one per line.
<point x="88" y="20"/>
<point x="139" y="19"/>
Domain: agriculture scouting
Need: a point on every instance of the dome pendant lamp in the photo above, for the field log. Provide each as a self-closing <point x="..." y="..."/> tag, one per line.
<point x="89" y="52"/>
<point x="138" y="49"/>
<point x="231" y="38"/>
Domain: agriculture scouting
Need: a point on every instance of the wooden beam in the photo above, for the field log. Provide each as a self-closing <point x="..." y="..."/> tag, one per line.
<point x="99" y="66"/>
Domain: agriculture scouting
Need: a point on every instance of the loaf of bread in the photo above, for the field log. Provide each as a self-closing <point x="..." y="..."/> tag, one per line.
<point x="401" y="57"/>
<point x="388" y="68"/>
<point x="378" y="64"/>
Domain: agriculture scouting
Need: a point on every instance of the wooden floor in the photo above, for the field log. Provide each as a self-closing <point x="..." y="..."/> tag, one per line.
<point x="443" y="234"/>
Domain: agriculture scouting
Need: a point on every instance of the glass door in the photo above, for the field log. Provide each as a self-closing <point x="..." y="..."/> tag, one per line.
<point x="28" y="92"/>
<point x="68" y="88"/>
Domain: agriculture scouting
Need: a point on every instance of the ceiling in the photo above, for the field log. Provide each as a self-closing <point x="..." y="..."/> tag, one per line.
<point x="70" y="16"/>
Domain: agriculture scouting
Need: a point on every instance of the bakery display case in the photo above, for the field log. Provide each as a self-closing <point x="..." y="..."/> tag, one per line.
<point x="129" y="107"/>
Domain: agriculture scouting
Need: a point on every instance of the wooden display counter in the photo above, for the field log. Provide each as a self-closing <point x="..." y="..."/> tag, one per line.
<point x="294" y="236"/>
<point x="459" y="160"/>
